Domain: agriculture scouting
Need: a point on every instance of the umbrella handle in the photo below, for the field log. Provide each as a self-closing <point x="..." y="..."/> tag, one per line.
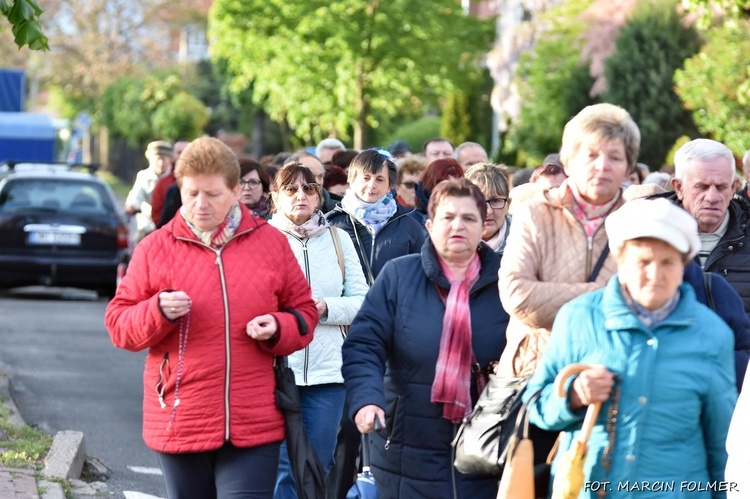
<point x="566" y="373"/>
<point x="592" y="413"/>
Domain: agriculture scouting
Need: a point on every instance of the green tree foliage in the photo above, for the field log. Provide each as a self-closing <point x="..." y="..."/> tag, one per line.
<point x="553" y="84"/>
<point x="650" y="47"/>
<point x="182" y="116"/>
<point x="326" y="68"/>
<point x="715" y="85"/>
<point x="139" y="109"/>
<point x="456" y="124"/>
<point x="23" y="16"/>
<point x="418" y="132"/>
<point x="732" y="9"/>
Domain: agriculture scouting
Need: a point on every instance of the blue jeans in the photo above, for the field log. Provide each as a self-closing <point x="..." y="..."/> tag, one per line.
<point x="322" y="406"/>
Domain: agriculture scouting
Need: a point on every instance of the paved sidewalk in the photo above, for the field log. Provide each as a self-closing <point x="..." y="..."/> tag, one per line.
<point x="18" y="484"/>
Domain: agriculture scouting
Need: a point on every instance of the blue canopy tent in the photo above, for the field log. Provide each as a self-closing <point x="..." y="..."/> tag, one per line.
<point x="27" y="137"/>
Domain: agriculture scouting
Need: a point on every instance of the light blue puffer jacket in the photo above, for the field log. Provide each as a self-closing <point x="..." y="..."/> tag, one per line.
<point x="676" y="400"/>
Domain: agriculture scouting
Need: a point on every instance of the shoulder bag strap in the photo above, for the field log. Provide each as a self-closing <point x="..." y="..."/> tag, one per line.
<point x="599" y="263"/>
<point x="339" y="252"/>
<point x="707" y="285"/>
<point x="368" y="274"/>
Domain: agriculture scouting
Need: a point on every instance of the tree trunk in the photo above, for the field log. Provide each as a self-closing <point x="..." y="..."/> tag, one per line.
<point x="258" y="133"/>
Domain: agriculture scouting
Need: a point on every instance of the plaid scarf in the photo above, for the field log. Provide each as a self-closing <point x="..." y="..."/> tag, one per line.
<point x="373" y="215"/>
<point x="314" y="226"/>
<point x="222" y="232"/>
<point x="590" y="215"/>
<point x="452" y="384"/>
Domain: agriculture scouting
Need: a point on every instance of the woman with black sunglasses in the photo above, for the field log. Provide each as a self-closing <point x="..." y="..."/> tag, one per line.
<point x="330" y="264"/>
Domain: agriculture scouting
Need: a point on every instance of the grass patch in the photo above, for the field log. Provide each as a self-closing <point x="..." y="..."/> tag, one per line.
<point x="22" y="446"/>
<point x="120" y="188"/>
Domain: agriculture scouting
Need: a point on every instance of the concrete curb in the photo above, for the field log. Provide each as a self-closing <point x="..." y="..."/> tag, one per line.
<point x="69" y="447"/>
<point x="52" y="490"/>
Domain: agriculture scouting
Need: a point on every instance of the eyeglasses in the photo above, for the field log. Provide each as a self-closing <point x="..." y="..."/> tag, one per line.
<point x="408" y="184"/>
<point x="497" y="203"/>
<point x="307" y="189"/>
<point x="252" y="183"/>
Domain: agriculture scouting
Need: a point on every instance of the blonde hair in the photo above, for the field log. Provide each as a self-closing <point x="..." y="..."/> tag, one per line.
<point x="601" y="121"/>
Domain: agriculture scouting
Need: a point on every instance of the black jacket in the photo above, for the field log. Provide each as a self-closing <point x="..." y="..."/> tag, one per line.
<point x="731" y="257"/>
<point x="400" y="236"/>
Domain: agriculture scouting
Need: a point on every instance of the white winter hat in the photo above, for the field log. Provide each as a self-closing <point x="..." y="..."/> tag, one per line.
<point x="656" y="218"/>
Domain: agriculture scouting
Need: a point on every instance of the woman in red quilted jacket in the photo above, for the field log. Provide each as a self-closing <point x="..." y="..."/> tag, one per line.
<point x="214" y="295"/>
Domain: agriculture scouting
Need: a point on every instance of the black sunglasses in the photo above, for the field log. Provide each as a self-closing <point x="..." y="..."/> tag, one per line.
<point x="307" y="189"/>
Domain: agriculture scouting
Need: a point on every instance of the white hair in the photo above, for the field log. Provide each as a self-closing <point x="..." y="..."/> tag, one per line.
<point x="329" y="144"/>
<point x="702" y="150"/>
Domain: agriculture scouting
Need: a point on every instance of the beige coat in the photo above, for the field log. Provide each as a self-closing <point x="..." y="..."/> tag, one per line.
<point x="547" y="262"/>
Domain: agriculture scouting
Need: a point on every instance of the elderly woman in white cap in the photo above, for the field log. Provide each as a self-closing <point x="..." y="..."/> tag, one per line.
<point x="660" y="364"/>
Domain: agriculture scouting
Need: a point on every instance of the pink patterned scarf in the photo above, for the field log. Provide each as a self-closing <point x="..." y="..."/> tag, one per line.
<point x="590" y="215"/>
<point x="452" y="385"/>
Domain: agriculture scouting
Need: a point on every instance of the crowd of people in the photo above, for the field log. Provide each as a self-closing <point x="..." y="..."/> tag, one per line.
<point x="396" y="283"/>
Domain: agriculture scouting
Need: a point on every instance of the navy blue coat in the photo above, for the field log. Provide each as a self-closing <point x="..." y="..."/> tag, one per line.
<point x="398" y="237"/>
<point x="389" y="360"/>
<point x="728" y="306"/>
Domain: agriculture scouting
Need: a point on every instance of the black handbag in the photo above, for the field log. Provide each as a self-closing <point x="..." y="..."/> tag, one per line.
<point x="481" y="443"/>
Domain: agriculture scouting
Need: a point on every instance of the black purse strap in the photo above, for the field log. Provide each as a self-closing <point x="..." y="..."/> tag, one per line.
<point x="709" y="295"/>
<point x="599" y="263"/>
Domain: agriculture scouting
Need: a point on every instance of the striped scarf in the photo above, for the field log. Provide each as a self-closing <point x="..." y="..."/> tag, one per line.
<point x="372" y="215"/>
<point x="452" y="384"/>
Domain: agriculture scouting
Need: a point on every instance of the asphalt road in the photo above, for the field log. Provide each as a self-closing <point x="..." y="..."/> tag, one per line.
<point x="66" y="375"/>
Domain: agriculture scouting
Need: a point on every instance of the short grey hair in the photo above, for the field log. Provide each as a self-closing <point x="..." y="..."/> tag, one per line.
<point x="702" y="150"/>
<point x="334" y="144"/>
<point x="461" y="147"/>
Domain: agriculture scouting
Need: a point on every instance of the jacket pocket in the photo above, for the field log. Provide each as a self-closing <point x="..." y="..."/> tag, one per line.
<point x="161" y="384"/>
<point x="391" y="423"/>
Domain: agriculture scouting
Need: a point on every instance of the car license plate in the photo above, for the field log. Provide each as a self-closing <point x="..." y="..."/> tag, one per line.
<point x="55" y="238"/>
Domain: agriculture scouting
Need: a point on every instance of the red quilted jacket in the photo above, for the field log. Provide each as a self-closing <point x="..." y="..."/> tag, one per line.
<point x="226" y="380"/>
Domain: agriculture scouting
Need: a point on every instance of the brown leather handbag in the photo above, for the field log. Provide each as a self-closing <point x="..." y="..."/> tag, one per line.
<point x="517" y="481"/>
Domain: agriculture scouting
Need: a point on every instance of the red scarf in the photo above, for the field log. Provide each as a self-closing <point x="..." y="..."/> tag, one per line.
<point x="452" y="385"/>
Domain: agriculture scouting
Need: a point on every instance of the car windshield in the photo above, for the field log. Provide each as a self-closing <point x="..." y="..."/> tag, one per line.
<point x="55" y="195"/>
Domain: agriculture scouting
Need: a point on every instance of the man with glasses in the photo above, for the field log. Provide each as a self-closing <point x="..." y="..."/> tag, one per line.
<point x="469" y="154"/>
<point x="437" y="148"/>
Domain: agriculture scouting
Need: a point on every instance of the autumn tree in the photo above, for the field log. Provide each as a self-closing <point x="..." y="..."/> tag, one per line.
<point x="650" y="47"/>
<point x="553" y="84"/>
<point x="328" y="68"/>
<point x="95" y="42"/>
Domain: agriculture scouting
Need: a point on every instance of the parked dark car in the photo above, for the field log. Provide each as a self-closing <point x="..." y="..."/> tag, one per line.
<point x="59" y="227"/>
